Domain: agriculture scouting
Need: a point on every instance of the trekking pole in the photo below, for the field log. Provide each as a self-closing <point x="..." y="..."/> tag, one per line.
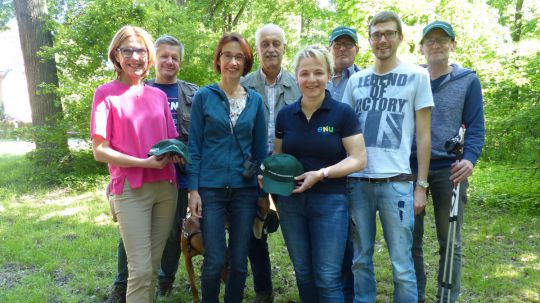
<point x="455" y="146"/>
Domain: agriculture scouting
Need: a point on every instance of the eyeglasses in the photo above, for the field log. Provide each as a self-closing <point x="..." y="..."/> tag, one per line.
<point x="229" y="56"/>
<point x="127" y="52"/>
<point x="347" y="45"/>
<point x="440" y="41"/>
<point x="389" y="35"/>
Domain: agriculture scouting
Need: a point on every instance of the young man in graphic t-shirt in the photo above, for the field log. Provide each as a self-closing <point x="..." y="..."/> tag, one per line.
<point x="393" y="101"/>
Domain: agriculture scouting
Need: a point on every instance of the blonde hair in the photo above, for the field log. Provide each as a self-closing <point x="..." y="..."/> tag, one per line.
<point x="124" y="33"/>
<point x="318" y="52"/>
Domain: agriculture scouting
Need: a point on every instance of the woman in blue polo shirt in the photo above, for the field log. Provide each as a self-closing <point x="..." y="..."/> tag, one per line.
<point x="324" y="135"/>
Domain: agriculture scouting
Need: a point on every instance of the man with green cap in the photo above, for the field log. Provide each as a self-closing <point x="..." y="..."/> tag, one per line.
<point x="344" y="49"/>
<point x="458" y="100"/>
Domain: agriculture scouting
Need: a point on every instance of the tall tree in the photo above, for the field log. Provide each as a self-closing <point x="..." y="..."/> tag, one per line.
<point x="41" y="76"/>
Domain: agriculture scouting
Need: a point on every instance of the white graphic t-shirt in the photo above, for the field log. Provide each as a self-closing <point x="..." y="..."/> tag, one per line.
<point x="385" y="106"/>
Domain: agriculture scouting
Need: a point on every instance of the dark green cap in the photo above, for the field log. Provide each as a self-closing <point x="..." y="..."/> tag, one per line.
<point x="343" y="31"/>
<point x="445" y="26"/>
<point x="170" y="146"/>
<point x="278" y="173"/>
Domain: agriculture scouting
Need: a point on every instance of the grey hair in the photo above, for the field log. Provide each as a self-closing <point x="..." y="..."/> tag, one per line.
<point x="170" y="40"/>
<point x="269" y="27"/>
<point x="318" y="52"/>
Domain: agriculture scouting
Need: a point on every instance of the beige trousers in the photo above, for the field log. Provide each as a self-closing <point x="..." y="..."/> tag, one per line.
<point x="145" y="216"/>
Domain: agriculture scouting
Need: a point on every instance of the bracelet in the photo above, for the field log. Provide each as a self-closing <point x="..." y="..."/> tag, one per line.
<point x="325" y="172"/>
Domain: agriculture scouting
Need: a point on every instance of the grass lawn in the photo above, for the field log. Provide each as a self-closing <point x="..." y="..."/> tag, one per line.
<point x="59" y="245"/>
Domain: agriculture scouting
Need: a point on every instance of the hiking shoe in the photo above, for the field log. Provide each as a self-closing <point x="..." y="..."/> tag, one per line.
<point x="266" y="297"/>
<point x="117" y="294"/>
<point x="164" y="289"/>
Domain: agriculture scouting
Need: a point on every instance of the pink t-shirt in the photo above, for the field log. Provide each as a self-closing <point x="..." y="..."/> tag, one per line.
<point x="132" y="119"/>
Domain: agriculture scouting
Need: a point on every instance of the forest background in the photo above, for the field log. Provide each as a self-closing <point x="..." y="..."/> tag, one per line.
<point x="499" y="39"/>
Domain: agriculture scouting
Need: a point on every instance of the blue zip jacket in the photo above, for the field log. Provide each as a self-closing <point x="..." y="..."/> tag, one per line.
<point x="458" y="100"/>
<point x="217" y="161"/>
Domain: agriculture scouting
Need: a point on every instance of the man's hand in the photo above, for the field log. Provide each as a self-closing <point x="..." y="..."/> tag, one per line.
<point x="420" y="197"/>
<point x="195" y="204"/>
<point x="461" y="170"/>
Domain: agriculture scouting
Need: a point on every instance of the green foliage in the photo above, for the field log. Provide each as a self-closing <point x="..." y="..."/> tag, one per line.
<point x="6" y="13"/>
<point x="514" y="188"/>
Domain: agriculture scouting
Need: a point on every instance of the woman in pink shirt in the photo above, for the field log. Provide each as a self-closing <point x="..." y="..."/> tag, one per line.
<point x="128" y="118"/>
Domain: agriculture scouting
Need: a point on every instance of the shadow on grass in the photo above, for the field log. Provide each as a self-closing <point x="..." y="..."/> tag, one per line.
<point x="20" y="176"/>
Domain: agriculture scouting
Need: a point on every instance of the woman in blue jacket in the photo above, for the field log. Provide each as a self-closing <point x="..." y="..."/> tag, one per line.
<point x="227" y="142"/>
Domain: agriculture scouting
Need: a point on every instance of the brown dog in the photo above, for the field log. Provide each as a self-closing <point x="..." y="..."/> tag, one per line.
<point x="191" y="244"/>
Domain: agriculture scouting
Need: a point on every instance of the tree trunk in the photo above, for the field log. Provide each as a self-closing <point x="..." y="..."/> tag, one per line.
<point x="518" y="20"/>
<point x="46" y="108"/>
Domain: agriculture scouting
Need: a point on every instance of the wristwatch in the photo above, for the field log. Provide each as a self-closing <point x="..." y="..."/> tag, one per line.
<point x="422" y="183"/>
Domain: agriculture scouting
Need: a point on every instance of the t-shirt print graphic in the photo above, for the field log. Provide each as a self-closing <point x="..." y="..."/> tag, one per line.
<point x="386" y="129"/>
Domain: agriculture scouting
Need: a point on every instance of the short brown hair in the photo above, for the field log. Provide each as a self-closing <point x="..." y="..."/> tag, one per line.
<point x="121" y="35"/>
<point x="244" y="46"/>
<point x="385" y="16"/>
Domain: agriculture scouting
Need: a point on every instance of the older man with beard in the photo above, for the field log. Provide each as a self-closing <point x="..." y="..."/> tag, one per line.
<point x="278" y="88"/>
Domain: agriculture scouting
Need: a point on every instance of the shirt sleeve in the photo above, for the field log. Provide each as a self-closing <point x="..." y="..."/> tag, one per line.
<point x="350" y="123"/>
<point x="473" y="118"/>
<point x="260" y="132"/>
<point x="424" y="96"/>
<point x="100" y="118"/>
<point x="195" y="140"/>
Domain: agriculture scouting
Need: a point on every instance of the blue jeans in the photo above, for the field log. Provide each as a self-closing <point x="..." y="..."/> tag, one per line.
<point x="240" y="205"/>
<point x="171" y="253"/>
<point x="259" y="259"/>
<point x="314" y="226"/>
<point x="346" y="271"/>
<point x="440" y="188"/>
<point x="394" y="201"/>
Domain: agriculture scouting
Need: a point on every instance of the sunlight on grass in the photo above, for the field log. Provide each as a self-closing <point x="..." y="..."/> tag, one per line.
<point x="72" y="211"/>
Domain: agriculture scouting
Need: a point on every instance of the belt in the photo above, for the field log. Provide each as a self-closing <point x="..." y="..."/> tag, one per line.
<point x="401" y="177"/>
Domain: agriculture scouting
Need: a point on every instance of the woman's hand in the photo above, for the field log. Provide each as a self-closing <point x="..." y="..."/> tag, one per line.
<point x="156" y="162"/>
<point x="195" y="204"/>
<point x="307" y="180"/>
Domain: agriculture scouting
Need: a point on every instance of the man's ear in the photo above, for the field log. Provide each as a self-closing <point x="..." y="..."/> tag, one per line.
<point x="453" y="46"/>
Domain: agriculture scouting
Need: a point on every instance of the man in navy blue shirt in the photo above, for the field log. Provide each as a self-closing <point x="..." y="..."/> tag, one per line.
<point x="458" y="100"/>
<point x="169" y="56"/>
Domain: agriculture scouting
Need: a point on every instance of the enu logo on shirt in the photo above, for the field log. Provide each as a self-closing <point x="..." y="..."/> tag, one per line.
<point x="325" y="130"/>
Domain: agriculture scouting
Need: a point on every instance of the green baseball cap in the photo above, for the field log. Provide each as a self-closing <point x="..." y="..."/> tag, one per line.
<point x="278" y="173"/>
<point x="343" y="31"/>
<point x="170" y="146"/>
<point x="445" y="26"/>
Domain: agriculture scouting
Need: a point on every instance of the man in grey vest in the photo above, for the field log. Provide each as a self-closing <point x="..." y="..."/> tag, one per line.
<point x="278" y="88"/>
<point x="169" y="57"/>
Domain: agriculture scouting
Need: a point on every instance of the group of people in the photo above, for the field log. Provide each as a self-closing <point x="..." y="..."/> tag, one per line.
<point x="364" y="137"/>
